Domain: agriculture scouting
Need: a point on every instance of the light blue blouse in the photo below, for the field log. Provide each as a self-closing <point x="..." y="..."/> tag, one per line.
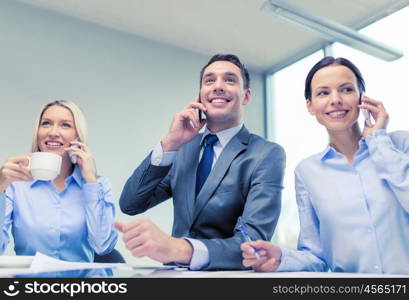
<point x="354" y="217"/>
<point x="70" y="225"/>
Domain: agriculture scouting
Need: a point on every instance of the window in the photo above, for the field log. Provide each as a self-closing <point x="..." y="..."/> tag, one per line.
<point x="386" y="81"/>
<point x="297" y="132"/>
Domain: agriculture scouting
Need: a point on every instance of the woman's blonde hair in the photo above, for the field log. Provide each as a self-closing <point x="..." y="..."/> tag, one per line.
<point x="79" y="121"/>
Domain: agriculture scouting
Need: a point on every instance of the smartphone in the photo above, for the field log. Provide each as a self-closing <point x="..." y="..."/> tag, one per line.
<point x="202" y="115"/>
<point x="365" y="112"/>
<point x="74" y="157"/>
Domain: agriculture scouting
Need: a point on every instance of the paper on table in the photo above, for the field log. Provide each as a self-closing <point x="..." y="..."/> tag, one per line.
<point x="252" y="274"/>
<point x="44" y="263"/>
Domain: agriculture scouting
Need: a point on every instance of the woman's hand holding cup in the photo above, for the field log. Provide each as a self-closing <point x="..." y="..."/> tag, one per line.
<point x="14" y="169"/>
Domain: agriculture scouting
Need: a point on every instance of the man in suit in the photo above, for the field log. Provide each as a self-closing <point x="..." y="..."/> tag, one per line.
<point x="218" y="179"/>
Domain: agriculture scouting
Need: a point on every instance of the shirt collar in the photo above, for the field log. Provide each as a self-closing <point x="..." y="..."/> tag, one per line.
<point x="330" y="152"/>
<point x="224" y="136"/>
<point x="75" y="176"/>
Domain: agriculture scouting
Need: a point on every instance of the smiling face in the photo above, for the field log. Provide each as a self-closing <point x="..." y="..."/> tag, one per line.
<point x="56" y="130"/>
<point x="223" y="94"/>
<point x="334" y="98"/>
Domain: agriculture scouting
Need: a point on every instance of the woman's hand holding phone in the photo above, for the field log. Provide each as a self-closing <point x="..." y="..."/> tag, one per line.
<point x="84" y="159"/>
<point x="365" y="112"/>
<point x="377" y="111"/>
<point x="70" y="153"/>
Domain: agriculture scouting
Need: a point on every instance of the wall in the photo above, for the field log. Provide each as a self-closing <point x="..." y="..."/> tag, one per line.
<point x="128" y="87"/>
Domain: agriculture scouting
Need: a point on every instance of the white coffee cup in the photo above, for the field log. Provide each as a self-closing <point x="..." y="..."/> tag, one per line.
<point x="44" y="165"/>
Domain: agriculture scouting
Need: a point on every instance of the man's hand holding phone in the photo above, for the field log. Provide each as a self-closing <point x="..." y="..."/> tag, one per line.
<point x="202" y="115"/>
<point x="185" y="126"/>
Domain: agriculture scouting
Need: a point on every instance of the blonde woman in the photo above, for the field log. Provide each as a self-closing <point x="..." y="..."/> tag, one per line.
<point x="70" y="217"/>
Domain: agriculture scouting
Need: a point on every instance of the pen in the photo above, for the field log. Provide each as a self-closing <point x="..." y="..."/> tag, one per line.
<point x="246" y="235"/>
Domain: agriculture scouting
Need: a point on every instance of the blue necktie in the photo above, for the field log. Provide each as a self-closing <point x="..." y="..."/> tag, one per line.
<point x="205" y="164"/>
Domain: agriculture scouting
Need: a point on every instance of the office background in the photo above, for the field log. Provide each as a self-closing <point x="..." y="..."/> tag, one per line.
<point x="129" y="88"/>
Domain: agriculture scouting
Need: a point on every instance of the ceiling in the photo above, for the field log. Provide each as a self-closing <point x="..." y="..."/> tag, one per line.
<point x="263" y="41"/>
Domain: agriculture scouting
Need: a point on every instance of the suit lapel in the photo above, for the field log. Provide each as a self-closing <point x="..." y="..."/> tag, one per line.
<point x="191" y="161"/>
<point x="236" y="145"/>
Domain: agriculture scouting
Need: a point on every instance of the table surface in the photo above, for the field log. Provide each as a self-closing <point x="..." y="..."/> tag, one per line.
<point x="157" y="270"/>
<point x="126" y="271"/>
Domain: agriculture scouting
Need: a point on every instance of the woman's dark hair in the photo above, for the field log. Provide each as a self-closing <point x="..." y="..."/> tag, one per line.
<point x="328" y="61"/>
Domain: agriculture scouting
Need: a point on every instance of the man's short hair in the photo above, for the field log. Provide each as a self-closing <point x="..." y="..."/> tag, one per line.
<point x="232" y="59"/>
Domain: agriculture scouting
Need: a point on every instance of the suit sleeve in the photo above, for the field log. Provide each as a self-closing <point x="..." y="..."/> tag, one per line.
<point x="148" y="186"/>
<point x="260" y="214"/>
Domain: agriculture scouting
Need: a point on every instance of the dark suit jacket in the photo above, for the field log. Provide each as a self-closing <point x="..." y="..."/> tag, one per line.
<point x="244" y="186"/>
